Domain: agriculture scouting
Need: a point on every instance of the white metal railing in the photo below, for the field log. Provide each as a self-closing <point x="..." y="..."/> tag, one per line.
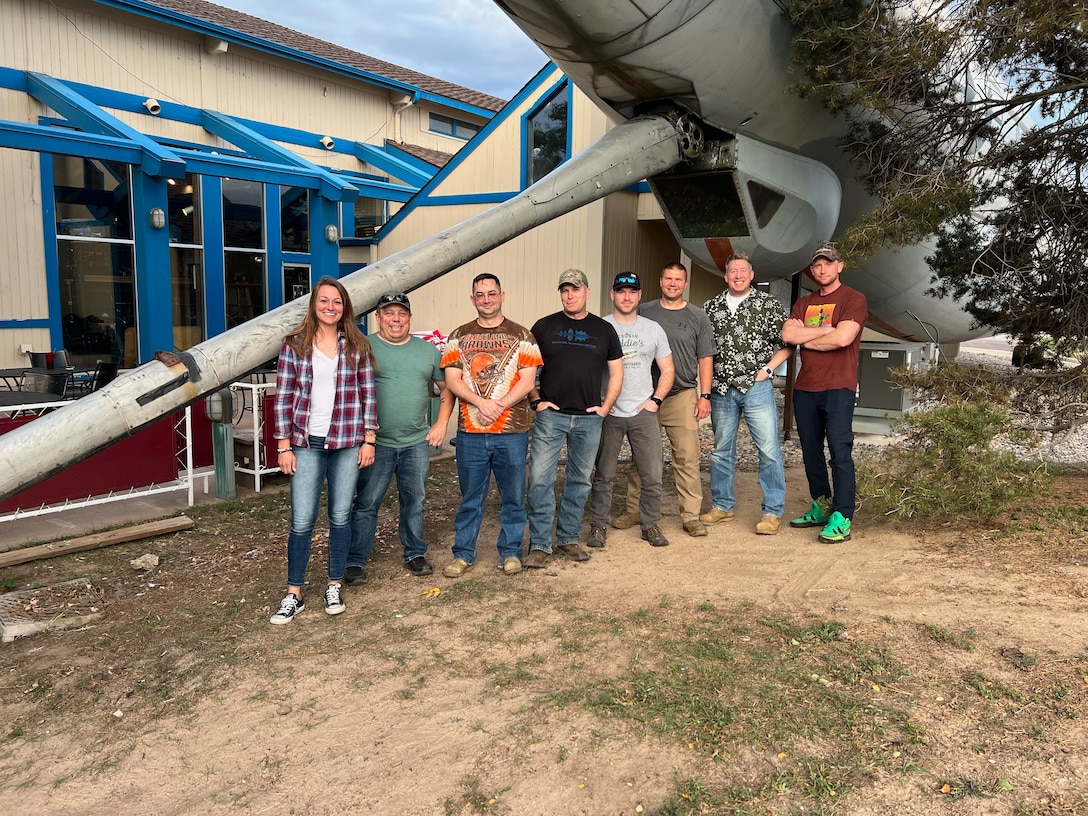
<point x="187" y="474"/>
<point x="252" y="401"/>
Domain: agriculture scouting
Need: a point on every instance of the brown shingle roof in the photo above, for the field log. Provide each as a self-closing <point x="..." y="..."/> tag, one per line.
<point x="273" y="33"/>
<point x="435" y="157"/>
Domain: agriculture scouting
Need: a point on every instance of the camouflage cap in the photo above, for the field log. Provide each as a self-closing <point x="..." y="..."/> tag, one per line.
<point x="575" y="277"/>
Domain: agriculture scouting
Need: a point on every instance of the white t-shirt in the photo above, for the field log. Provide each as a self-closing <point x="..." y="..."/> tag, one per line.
<point x="322" y="394"/>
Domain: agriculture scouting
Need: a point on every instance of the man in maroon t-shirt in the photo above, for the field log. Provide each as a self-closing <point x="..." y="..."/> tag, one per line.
<point x="827" y="325"/>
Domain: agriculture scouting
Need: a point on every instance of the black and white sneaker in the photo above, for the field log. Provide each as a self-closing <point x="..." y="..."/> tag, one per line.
<point x="334" y="604"/>
<point x="289" y="607"/>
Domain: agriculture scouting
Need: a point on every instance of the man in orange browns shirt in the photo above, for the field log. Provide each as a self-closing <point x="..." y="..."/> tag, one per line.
<point x="490" y="366"/>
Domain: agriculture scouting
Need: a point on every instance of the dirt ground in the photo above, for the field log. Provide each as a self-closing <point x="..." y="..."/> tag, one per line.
<point x="182" y="699"/>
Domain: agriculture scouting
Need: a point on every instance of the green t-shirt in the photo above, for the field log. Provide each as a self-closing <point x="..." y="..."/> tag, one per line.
<point x="402" y="378"/>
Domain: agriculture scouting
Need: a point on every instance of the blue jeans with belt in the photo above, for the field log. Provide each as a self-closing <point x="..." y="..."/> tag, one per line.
<point x="761" y="415"/>
<point x="581" y="433"/>
<point x="478" y="456"/>
<point x="410" y="465"/>
<point x="313" y="466"/>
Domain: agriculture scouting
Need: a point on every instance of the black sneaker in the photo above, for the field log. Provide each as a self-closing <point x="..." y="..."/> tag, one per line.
<point x="418" y="566"/>
<point x="654" y="535"/>
<point x="334" y="604"/>
<point x="289" y="607"/>
<point x="355" y="576"/>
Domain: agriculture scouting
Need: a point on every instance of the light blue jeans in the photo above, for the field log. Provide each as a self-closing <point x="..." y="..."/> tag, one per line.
<point x="313" y="466"/>
<point x="478" y="456"/>
<point x="410" y="465"/>
<point x="581" y="433"/>
<point x="761" y="416"/>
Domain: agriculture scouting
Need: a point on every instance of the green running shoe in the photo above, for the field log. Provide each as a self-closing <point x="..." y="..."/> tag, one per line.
<point x="818" y="516"/>
<point x="837" y="529"/>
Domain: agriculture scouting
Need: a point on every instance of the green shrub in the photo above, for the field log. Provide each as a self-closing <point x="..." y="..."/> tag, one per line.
<point x="945" y="466"/>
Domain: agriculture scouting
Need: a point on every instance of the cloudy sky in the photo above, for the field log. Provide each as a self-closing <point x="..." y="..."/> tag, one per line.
<point x="469" y="42"/>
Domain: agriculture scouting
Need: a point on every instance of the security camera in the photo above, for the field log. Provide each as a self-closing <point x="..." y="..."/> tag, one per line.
<point x="153" y="106"/>
<point x="327" y="142"/>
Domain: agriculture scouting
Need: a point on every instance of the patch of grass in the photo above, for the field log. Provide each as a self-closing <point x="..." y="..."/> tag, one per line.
<point x="939" y="634"/>
<point x="785" y="686"/>
<point x="961" y="787"/>
<point x="992" y="690"/>
<point x="474" y="800"/>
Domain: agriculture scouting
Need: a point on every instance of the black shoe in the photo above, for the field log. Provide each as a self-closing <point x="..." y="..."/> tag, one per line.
<point x="418" y="566"/>
<point x="355" y="576"/>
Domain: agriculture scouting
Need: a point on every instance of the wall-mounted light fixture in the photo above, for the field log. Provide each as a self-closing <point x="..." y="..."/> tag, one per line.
<point x="153" y="106"/>
<point x="187" y="210"/>
<point x="332" y="234"/>
<point x="327" y="142"/>
<point x="157" y="218"/>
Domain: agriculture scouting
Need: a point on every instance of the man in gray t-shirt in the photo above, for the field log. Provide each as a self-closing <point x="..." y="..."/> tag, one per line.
<point x="634" y="415"/>
<point x="691" y="339"/>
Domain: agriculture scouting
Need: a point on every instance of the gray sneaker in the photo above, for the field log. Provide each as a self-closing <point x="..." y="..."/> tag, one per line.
<point x="654" y="535"/>
<point x="597" y="536"/>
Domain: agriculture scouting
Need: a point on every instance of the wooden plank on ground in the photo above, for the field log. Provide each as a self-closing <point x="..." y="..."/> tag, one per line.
<point x="96" y="540"/>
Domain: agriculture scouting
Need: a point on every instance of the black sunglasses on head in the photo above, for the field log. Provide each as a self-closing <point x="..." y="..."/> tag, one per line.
<point x="393" y="298"/>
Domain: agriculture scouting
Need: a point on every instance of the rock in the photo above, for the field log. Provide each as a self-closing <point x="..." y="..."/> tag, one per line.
<point x="147" y="561"/>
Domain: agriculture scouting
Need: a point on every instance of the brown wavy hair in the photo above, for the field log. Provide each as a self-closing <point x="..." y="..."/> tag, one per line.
<point x="302" y="338"/>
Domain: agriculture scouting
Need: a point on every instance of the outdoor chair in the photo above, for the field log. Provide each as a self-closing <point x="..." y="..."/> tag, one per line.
<point x="45" y="383"/>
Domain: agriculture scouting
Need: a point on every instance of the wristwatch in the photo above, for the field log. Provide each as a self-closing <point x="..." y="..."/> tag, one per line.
<point x="534" y="403"/>
<point x="705" y="396"/>
<point x="769" y="370"/>
<point x="656" y="401"/>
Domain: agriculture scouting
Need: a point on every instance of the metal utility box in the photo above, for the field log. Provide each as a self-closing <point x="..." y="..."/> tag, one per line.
<point x="877" y="395"/>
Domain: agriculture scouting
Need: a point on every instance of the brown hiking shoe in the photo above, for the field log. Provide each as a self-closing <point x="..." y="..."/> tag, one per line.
<point x="575" y="551"/>
<point x="768" y="525"/>
<point x="536" y="559"/>
<point x="716" y="516"/>
<point x="654" y="535"/>
<point x="625" y="521"/>
<point x="695" y="528"/>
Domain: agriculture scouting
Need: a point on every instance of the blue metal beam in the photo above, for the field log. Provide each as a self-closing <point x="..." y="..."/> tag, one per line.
<point x="45" y="139"/>
<point x="156" y="160"/>
<point x="392" y="165"/>
<point x="332" y="186"/>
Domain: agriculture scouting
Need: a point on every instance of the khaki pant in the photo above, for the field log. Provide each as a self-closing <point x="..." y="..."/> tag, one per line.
<point x="677" y="416"/>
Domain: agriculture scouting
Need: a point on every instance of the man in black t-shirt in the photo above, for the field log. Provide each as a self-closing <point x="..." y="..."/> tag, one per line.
<point x="577" y="349"/>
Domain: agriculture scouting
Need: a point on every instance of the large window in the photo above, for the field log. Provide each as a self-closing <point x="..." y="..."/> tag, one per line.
<point x="294" y="219"/>
<point x="546" y="135"/>
<point x="93" y="207"/>
<point x="244" y="258"/>
<point x="186" y="261"/>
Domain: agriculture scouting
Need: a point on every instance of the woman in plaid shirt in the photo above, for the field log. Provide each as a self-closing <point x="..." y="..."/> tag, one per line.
<point x="325" y="425"/>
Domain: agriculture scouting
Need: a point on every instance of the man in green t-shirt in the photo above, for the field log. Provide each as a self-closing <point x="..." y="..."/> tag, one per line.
<point x="404" y="368"/>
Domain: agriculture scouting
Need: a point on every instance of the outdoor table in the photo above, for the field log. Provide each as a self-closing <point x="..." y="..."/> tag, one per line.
<point x="27" y="398"/>
<point x="12" y="377"/>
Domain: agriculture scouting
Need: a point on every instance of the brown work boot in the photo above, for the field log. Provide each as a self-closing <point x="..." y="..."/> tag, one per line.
<point x="625" y="521"/>
<point x="768" y="525"/>
<point x="536" y="559"/>
<point x="716" y="516"/>
<point x="654" y="535"/>
<point x="695" y="528"/>
<point x="575" y="551"/>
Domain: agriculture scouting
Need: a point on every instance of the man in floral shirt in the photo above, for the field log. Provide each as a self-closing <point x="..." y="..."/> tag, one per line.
<point x="748" y="340"/>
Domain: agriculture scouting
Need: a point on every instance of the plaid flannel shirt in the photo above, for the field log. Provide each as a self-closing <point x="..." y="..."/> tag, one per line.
<point x="354" y="407"/>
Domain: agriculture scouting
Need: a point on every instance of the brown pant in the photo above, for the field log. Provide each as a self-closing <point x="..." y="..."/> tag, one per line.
<point x="677" y="416"/>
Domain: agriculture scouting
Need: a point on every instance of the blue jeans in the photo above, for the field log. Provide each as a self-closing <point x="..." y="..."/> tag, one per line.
<point x="410" y="465"/>
<point x="582" y="435"/>
<point x="313" y="465"/>
<point x="761" y="417"/>
<point x="644" y="435"/>
<point x="478" y="456"/>
<point x="828" y="415"/>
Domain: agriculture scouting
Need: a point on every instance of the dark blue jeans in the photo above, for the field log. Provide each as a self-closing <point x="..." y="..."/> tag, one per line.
<point x="828" y="416"/>
<point x="410" y="465"/>
<point x="478" y="456"/>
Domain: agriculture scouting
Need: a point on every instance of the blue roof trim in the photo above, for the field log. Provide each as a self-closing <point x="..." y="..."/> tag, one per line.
<point x="231" y="130"/>
<point x="87" y="116"/>
<point x="390" y="164"/>
<point x="46" y="139"/>
<point x="456" y="104"/>
<point x="180" y="20"/>
<point x="531" y="87"/>
<point x="469" y="198"/>
<point x="28" y="323"/>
